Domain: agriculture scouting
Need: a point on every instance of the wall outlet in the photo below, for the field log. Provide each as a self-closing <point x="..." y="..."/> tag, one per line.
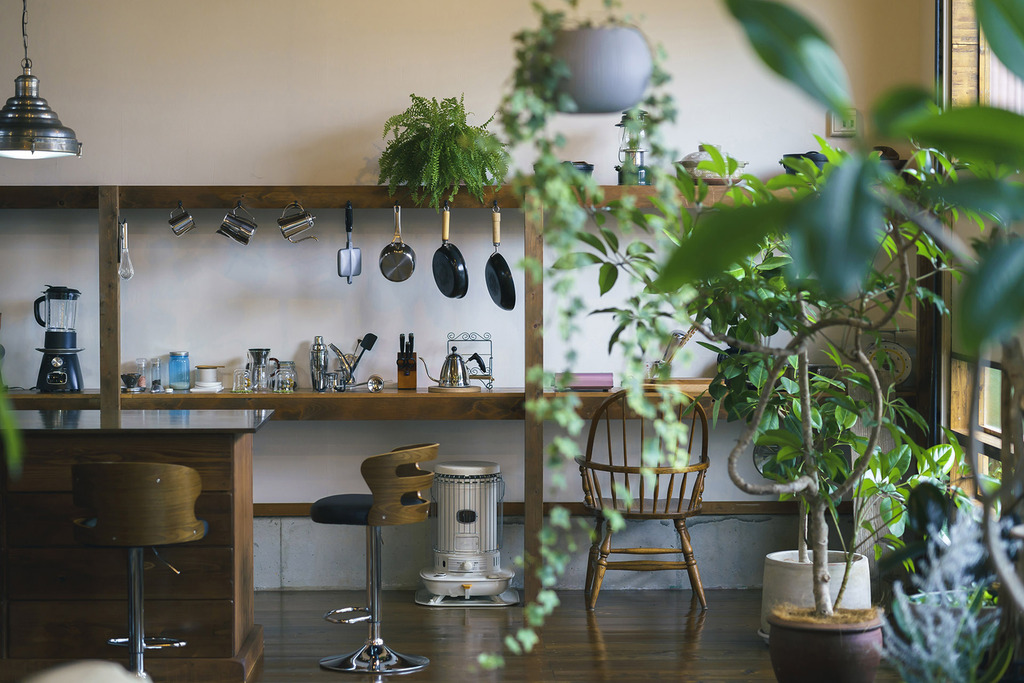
<point x="842" y="124"/>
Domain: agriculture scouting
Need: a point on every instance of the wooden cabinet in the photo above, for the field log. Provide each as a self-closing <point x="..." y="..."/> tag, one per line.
<point x="62" y="600"/>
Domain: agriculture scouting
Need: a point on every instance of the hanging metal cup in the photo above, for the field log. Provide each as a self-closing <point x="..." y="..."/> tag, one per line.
<point x="296" y="223"/>
<point x="237" y="227"/>
<point x="181" y="221"/>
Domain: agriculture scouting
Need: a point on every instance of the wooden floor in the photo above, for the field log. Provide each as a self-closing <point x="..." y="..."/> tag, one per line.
<point x="632" y="636"/>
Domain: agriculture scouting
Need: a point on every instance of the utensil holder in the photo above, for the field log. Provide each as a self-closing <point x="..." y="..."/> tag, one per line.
<point x="407" y="371"/>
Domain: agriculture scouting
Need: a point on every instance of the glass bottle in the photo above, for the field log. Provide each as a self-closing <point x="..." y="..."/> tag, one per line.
<point x="156" y="384"/>
<point x="140" y="367"/>
<point x="178" y="373"/>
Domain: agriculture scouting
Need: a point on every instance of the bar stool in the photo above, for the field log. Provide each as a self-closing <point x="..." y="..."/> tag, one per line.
<point x="395" y="482"/>
<point x="134" y="505"/>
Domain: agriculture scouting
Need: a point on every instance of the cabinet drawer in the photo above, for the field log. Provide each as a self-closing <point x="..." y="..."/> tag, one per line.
<point x="44" y="519"/>
<point x="102" y="574"/>
<point x="79" y="630"/>
<point x="48" y="457"/>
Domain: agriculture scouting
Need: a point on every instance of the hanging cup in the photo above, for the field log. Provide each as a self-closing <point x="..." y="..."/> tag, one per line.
<point x="237" y="227"/>
<point x="181" y="221"/>
<point x="296" y="223"/>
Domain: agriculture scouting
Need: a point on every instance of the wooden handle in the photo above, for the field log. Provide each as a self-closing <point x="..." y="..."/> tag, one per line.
<point x="496" y="228"/>
<point x="445" y="218"/>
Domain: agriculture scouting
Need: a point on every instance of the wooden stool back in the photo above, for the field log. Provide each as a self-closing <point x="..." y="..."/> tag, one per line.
<point x="136" y="503"/>
<point x="395" y="480"/>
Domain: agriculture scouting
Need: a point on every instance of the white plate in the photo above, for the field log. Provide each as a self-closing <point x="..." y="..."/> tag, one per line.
<point x="206" y="390"/>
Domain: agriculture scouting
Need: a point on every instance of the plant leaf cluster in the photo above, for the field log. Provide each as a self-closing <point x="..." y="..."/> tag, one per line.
<point x="434" y="150"/>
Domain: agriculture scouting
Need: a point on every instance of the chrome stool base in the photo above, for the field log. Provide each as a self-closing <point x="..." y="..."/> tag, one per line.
<point x="374" y="657"/>
<point x="149" y="643"/>
<point x="335" y="615"/>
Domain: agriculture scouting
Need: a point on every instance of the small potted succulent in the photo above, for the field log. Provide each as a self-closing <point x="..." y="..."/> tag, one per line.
<point x="434" y="151"/>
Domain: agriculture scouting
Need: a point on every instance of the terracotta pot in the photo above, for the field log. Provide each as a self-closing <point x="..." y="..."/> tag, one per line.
<point x="788" y="581"/>
<point x="838" y="653"/>
<point x="610" y="66"/>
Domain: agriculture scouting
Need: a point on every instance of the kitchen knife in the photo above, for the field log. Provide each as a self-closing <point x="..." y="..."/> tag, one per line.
<point x="401" y="344"/>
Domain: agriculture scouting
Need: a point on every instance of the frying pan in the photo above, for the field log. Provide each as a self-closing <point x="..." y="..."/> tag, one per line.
<point x="497" y="273"/>
<point x="397" y="259"/>
<point x="449" y="267"/>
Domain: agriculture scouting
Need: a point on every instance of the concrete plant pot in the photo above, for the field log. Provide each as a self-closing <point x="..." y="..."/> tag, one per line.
<point x="610" y="66"/>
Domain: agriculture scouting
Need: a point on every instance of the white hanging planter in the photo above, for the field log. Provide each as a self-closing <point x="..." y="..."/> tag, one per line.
<point x="787" y="580"/>
<point x="611" y="67"/>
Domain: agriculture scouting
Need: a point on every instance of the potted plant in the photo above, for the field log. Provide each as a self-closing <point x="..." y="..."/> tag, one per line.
<point x="434" y="150"/>
<point x="833" y="229"/>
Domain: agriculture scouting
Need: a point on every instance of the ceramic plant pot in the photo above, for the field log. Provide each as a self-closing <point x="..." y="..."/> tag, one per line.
<point x="805" y="652"/>
<point x="610" y="66"/>
<point x="788" y="581"/>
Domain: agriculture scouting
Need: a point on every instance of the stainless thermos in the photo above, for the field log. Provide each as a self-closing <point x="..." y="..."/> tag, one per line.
<point x="318" y="364"/>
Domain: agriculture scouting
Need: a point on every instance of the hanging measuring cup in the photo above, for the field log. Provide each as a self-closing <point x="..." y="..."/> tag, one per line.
<point x="296" y="223"/>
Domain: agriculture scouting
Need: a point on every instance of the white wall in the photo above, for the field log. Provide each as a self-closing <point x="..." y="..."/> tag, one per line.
<point x="258" y="92"/>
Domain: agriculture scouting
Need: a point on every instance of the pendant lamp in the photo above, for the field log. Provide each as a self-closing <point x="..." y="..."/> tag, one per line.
<point x="29" y="129"/>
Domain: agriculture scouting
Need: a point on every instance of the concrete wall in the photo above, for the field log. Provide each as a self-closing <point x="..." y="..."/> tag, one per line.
<point x="266" y="92"/>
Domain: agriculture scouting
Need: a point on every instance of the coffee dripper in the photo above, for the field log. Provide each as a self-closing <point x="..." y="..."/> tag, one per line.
<point x="258" y="372"/>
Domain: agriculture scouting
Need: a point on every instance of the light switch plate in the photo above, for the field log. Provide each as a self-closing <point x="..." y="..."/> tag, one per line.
<point x="842" y="124"/>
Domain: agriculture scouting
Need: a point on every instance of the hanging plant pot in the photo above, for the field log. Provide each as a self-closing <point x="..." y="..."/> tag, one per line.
<point x="843" y="650"/>
<point x="610" y="66"/>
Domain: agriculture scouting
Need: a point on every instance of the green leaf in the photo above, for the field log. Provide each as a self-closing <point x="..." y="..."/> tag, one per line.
<point x="607" y="277"/>
<point x="794" y="48"/>
<point x="577" y="259"/>
<point x="835" y="236"/>
<point x="1002" y="199"/>
<point x="592" y="240"/>
<point x="719" y="240"/>
<point x="992" y="299"/>
<point x="901" y="108"/>
<point x="1002" y="22"/>
<point x="984" y="134"/>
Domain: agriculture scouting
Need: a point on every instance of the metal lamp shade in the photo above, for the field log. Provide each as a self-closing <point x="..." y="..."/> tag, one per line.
<point x="29" y="129"/>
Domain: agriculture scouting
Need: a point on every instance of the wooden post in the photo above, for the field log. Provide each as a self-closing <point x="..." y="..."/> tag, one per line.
<point x="533" y="461"/>
<point x="110" y="307"/>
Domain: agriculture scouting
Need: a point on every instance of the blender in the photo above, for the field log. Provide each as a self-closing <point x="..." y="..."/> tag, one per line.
<point x="60" y="370"/>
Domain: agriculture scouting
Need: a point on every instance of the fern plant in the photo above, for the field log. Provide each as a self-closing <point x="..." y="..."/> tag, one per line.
<point x="434" y="150"/>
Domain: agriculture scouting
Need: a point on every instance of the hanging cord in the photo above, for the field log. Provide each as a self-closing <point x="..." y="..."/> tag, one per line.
<point x="25" y="63"/>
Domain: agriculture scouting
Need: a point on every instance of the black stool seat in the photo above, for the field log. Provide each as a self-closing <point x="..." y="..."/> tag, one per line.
<point x="344" y="508"/>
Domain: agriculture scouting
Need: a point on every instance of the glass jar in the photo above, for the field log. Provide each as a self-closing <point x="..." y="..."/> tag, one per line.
<point x="156" y="380"/>
<point x="178" y="373"/>
<point x="284" y="378"/>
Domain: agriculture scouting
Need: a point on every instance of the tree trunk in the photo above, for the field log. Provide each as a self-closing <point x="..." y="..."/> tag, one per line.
<point x="819" y="547"/>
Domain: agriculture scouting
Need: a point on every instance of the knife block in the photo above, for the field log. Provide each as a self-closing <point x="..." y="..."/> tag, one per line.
<point x="407" y="371"/>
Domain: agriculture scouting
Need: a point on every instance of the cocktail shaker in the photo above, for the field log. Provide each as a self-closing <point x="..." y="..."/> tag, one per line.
<point x="318" y="364"/>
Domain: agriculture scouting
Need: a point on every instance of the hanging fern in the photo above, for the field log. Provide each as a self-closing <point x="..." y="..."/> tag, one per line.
<point x="434" y="150"/>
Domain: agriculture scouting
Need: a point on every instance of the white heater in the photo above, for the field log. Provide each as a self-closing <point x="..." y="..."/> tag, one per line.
<point x="467" y="571"/>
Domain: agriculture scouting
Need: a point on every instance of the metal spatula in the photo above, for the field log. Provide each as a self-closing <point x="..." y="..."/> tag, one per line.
<point x="350" y="259"/>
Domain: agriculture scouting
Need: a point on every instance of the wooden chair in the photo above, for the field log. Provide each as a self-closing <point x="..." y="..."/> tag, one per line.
<point x="134" y="505"/>
<point x="395" y="482"/>
<point x="612" y="480"/>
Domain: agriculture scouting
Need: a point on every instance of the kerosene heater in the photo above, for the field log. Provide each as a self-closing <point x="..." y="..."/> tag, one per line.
<point x="467" y="497"/>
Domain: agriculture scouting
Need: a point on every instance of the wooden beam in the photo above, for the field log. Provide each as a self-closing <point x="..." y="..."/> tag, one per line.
<point x="110" y="306"/>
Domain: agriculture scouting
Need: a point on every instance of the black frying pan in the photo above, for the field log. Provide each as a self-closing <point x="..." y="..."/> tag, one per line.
<point x="450" y="272"/>
<point x="497" y="274"/>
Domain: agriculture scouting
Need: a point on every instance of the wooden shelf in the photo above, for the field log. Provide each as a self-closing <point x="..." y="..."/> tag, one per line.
<point x="22" y="399"/>
<point x="495" y="404"/>
<point x="272" y="197"/>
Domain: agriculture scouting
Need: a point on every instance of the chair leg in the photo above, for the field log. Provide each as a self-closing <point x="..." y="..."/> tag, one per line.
<point x="588" y="586"/>
<point x="602" y="565"/>
<point x="374" y="656"/>
<point x="691" y="569"/>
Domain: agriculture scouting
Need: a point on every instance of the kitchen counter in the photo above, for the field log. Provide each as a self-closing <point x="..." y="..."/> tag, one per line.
<point x="62" y="600"/>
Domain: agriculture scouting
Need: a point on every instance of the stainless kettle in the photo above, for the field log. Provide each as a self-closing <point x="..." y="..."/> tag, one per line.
<point x="453" y="370"/>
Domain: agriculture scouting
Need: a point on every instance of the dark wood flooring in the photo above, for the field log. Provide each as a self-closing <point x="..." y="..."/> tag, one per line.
<point x="631" y="636"/>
